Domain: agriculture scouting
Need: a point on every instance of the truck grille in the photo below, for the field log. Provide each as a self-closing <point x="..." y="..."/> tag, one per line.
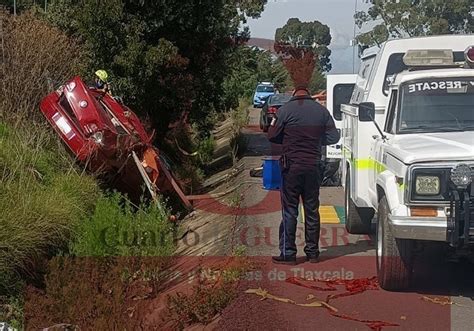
<point x="461" y="218"/>
<point x="471" y="223"/>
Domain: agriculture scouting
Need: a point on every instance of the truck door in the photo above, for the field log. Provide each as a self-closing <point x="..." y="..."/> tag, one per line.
<point x="341" y="94"/>
<point x="377" y="154"/>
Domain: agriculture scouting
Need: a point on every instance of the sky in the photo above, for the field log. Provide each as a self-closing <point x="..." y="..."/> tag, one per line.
<point x="337" y="14"/>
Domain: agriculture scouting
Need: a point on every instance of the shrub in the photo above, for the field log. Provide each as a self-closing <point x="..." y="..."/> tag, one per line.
<point x="201" y="306"/>
<point x="123" y="252"/>
<point x="42" y="195"/>
<point x="33" y="53"/>
<point x="209" y="297"/>
<point x="119" y="229"/>
<point x="206" y="149"/>
<point x="95" y="293"/>
<point x="42" y="198"/>
<point x="11" y="310"/>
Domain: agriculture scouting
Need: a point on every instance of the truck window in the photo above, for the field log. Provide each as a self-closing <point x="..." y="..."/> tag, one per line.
<point x="391" y="112"/>
<point x="342" y="95"/>
<point x="436" y="105"/>
<point x="366" y="68"/>
<point x="395" y="65"/>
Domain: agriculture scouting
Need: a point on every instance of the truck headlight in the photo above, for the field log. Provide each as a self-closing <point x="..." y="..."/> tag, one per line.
<point x="427" y="185"/>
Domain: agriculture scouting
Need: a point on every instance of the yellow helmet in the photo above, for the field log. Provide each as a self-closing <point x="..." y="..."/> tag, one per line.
<point x="102" y="74"/>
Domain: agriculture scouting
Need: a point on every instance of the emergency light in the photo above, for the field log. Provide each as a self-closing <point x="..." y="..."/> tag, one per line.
<point x="429" y="58"/>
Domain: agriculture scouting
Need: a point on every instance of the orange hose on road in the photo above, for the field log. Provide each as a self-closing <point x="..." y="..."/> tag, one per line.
<point x="353" y="287"/>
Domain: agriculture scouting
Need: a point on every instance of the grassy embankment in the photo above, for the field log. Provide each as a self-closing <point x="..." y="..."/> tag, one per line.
<point x="57" y="227"/>
<point x="49" y="206"/>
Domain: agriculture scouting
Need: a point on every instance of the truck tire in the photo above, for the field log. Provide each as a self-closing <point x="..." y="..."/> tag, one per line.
<point x="394" y="256"/>
<point x="358" y="220"/>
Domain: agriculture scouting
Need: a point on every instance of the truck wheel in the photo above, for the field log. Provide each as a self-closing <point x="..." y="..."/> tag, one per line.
<point x="358" y="220"/>
<point x="394" y="256"/>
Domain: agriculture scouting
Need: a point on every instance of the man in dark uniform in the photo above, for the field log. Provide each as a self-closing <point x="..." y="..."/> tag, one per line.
<point x="302" y="127"/>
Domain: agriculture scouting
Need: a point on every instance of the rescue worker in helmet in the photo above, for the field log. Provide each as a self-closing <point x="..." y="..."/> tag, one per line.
<point x="101" y="81"/>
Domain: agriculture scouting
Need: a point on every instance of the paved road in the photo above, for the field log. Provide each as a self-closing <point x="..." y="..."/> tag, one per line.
<point x="343" y="256"/>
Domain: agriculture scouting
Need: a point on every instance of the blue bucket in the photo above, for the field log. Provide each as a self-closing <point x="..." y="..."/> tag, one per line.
<point x="271" y="174"/>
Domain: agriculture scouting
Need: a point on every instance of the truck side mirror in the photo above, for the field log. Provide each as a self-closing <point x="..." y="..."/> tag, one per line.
<point x="366" y="111"/>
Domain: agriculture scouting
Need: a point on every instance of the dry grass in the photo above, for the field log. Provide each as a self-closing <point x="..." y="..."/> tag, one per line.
<point x="209" y="297"/>
<point x="33" y="54"/>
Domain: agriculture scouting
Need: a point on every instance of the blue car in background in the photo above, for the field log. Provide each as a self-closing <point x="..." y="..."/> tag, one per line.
<point x="262" y="92"/>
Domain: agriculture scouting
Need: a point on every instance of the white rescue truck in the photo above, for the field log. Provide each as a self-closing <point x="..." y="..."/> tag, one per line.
<point x="408" y="152"/>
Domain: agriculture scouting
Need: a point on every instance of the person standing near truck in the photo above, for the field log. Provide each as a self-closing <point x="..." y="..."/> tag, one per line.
<point x="302" y="127"/>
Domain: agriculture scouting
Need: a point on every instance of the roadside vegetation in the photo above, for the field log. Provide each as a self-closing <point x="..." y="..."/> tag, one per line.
<point x="43" y="196"/>
<point x="50" y="206"/>
<point x="59" y="225"/>
<point x="406" y="18"/>
<point x="213" y="292"/>
<point x="117" y="228"/>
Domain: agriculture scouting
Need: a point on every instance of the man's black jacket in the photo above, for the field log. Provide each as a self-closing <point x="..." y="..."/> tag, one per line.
<point x="303" y="126"/>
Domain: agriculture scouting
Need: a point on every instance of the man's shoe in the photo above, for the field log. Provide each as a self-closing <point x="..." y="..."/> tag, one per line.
<point x="287" y="260"/>
<point x="312" y="258"/>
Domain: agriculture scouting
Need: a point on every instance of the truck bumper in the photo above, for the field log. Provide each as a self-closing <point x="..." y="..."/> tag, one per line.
<point x="457" y="228"/>
<point x="419" y="228"/>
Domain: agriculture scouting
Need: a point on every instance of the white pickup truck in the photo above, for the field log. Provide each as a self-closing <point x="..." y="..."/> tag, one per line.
<point x="412" y="160"/>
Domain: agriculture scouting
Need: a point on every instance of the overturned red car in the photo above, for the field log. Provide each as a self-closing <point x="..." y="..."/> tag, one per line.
<point x="109" y="139"/>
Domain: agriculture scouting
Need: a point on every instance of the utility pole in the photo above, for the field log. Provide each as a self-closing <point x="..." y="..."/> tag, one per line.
<point x="14" y="7"/>
<point x="354" y="42"/>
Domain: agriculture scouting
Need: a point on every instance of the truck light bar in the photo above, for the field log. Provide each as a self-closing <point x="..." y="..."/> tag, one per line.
<point x="429" y="58"/>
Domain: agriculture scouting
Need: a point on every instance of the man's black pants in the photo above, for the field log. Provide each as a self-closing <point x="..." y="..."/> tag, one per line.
<point x="300" y="181"/>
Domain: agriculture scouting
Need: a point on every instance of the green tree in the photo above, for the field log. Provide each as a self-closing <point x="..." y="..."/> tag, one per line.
<point x="313" y="35"/>
<point x="317" y="82"/>
<point x="409" y="18"/>
<point x="166" y="57"/>
<point x="250" y="66"/>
